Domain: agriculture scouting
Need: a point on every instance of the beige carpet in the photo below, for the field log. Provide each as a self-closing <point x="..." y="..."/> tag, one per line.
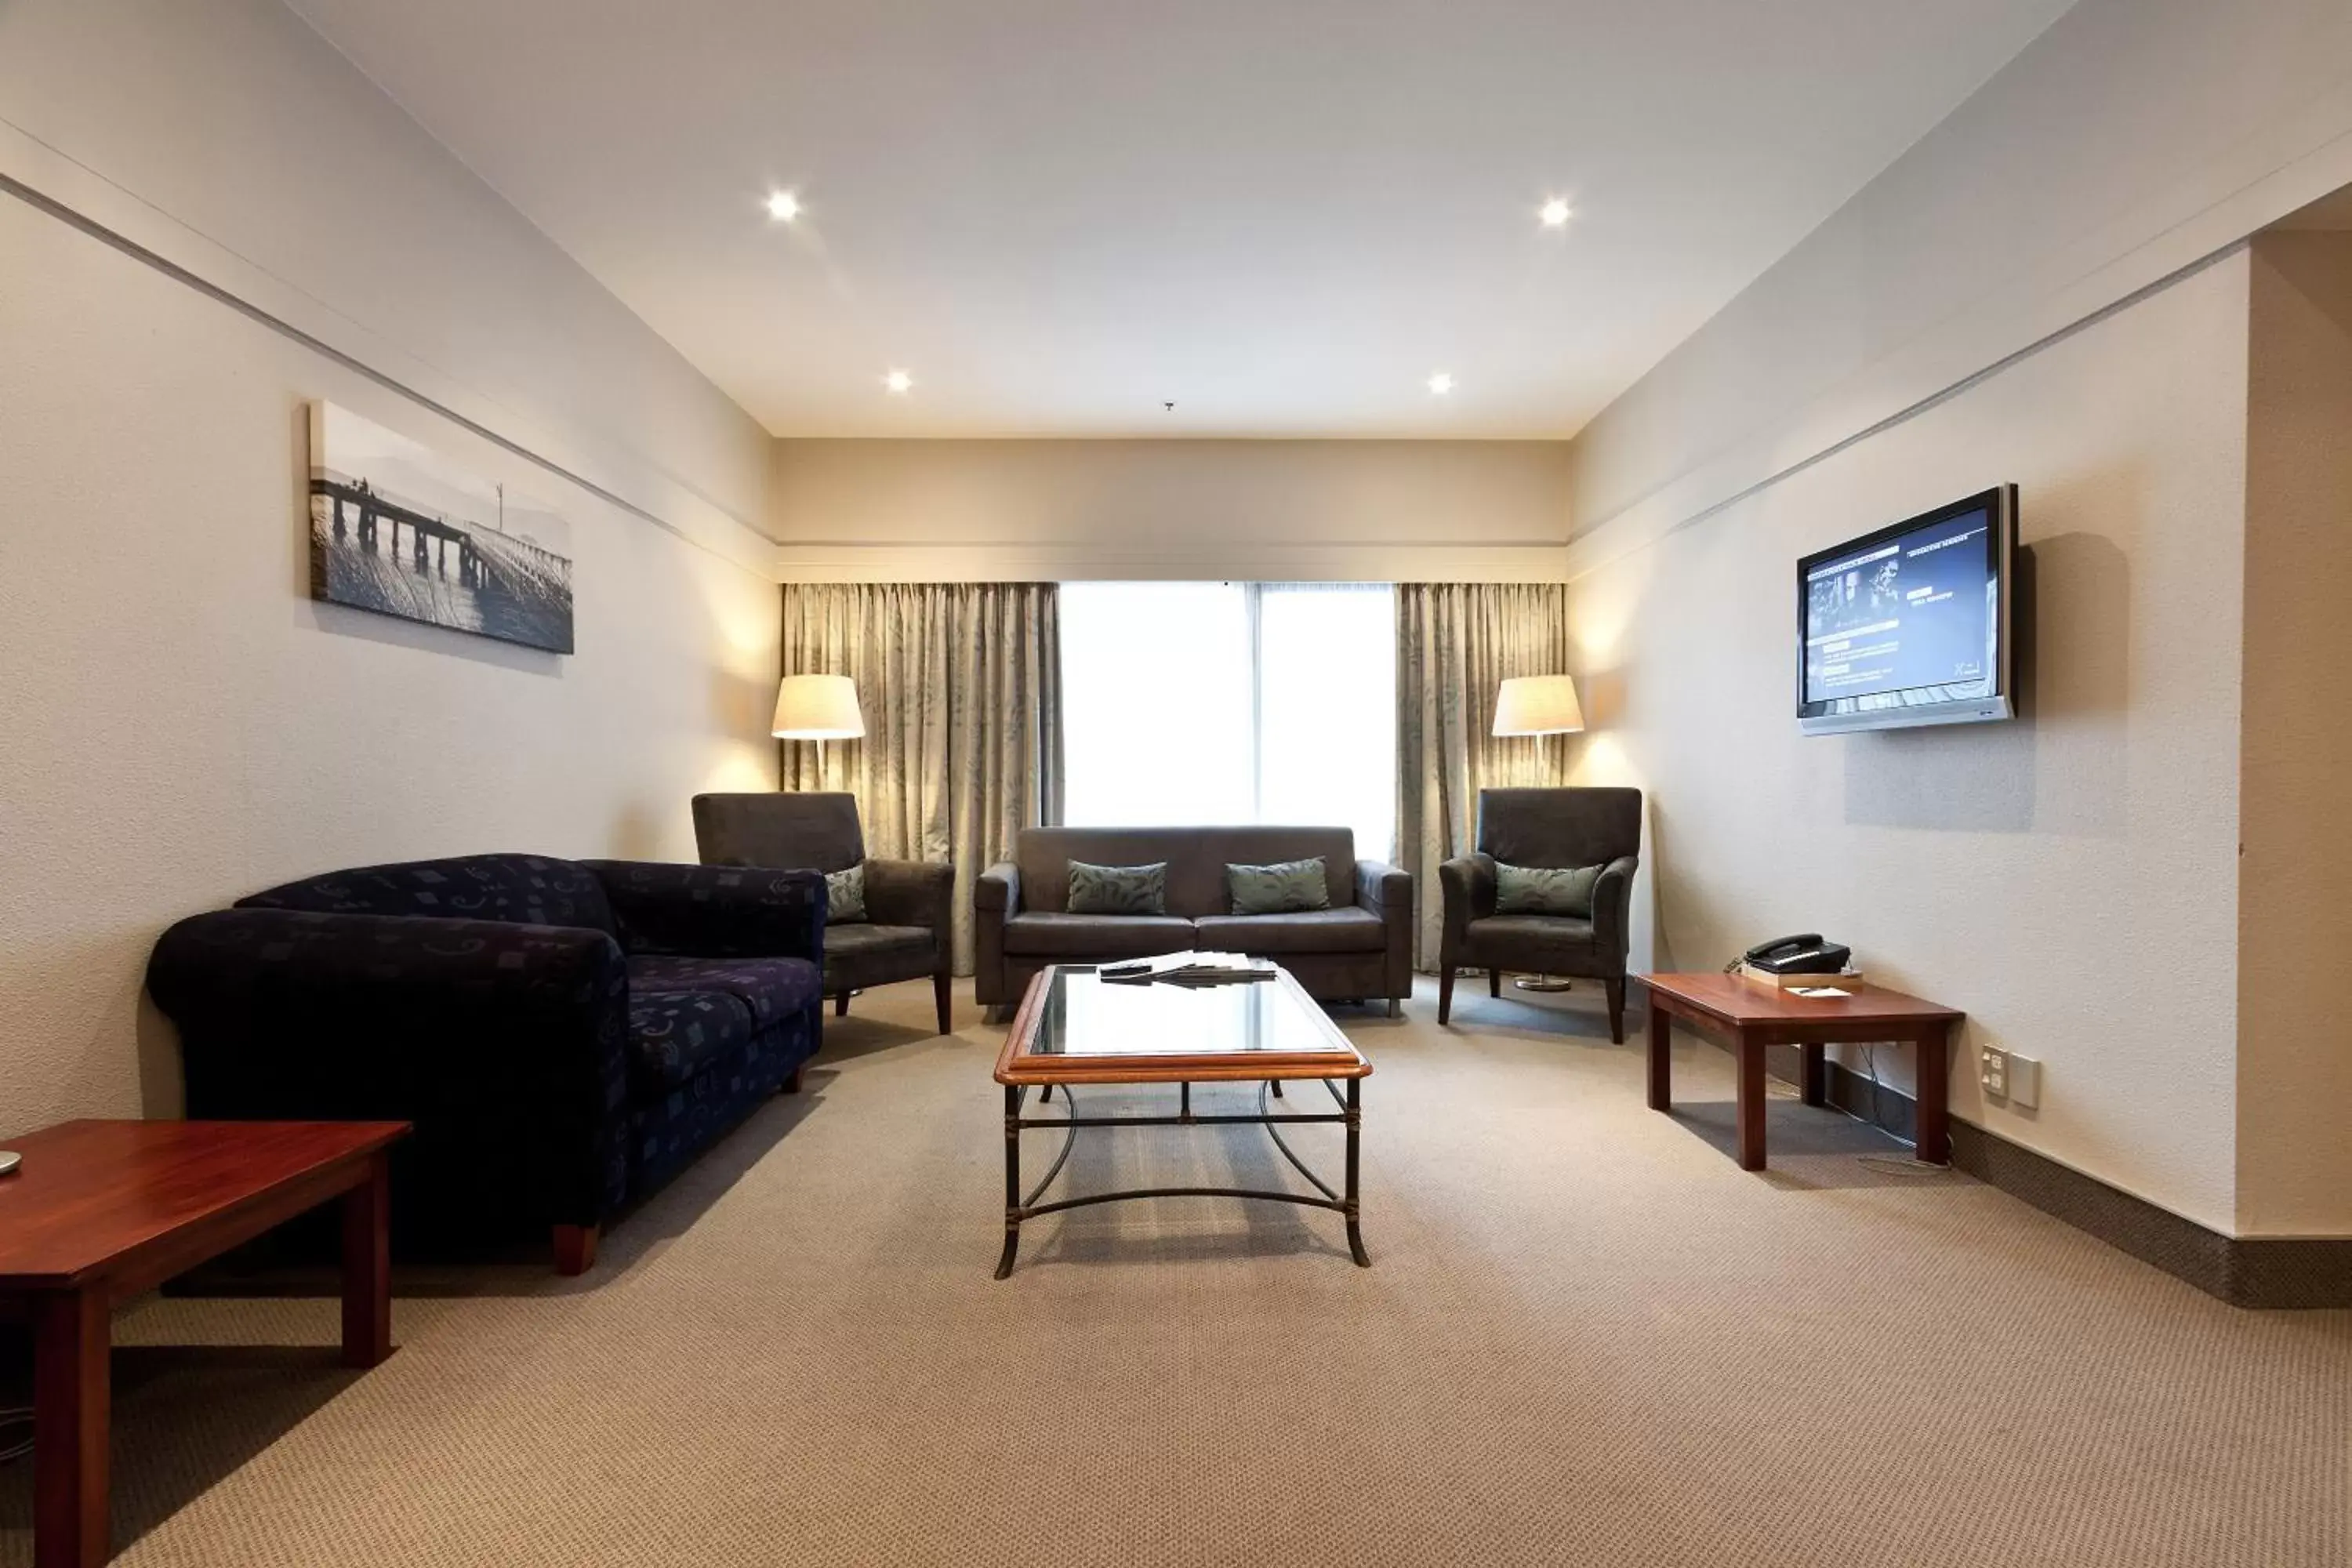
<point x="1586" y="1338"/>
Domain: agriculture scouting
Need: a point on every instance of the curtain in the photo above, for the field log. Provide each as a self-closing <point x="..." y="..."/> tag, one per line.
<point x="960" y="687"/>
<point x="1456" y="643"/>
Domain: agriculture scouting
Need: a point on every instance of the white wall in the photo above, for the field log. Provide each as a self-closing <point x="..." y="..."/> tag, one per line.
<point x="1326" y="510"/>
<point x="2067" y="879"/>
<point x="183" y="724"/>
<point x="2295" y="1051"/>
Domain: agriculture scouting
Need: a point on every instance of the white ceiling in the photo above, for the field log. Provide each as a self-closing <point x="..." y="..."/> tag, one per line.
<point x="1283" y="215"/>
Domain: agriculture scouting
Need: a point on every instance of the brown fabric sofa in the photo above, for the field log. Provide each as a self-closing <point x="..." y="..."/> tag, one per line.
<point x="1361" y="947"/>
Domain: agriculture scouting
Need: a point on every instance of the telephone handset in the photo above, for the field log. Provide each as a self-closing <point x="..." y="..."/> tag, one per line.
<point x="1804" y="953"/>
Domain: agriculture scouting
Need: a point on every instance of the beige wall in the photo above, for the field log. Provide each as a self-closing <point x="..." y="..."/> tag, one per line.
<point x="183" y="724"/>
<point x="232" y="141"/>
<point x="2134" y="137"/>
<point x="2068" y="879"/>
<point x="2050" y="286"/>
<point x="1362" y="511"/>
<point x="2295" y="913"/>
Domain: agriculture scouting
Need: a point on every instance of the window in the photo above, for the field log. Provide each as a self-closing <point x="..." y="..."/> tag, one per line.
<point x="1188" y="704"/>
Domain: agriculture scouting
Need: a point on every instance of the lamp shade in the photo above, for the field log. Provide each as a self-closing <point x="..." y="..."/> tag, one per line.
<point x="818" y="708"/>
<point x="1538" y="705"/>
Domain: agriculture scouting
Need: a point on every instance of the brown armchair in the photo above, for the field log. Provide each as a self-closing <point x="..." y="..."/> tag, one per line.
<point x="909" y="904"/>
<point x="1546" y="827"/>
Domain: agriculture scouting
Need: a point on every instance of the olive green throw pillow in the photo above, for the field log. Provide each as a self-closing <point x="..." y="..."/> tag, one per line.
<point x="1285" y="888"/>
<point x="1118" y="890"/>
<point x="1546" y="891"/>
<point x="844" y="897"/>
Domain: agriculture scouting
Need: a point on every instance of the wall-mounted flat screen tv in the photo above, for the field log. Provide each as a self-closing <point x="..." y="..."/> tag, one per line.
<point x="1912" y="623"/>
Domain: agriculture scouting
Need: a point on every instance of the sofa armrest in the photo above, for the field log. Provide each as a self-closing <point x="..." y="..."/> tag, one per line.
<point x="1612" y="897"/>
<point x="1467" y="884"/>
<point x="995" y="898"/>
<point x="1380" y="885"/>
<point x="910" y="892"/>
<point x="715" y="911"/>
<point x="1387" y="891"/>
<point x="505" y="1044"/>
<point x="914" y="893"/>
<point x="998" y="889"/>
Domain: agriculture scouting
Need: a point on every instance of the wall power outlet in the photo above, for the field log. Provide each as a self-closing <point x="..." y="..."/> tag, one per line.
<point x="1992" y="1071"/>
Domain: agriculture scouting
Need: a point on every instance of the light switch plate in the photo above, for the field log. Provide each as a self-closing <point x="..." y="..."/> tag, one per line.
<point x="2024" y="1082"/>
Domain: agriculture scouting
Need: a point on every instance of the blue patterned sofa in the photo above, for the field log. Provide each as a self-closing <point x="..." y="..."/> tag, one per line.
<point x="566" y="1035"/>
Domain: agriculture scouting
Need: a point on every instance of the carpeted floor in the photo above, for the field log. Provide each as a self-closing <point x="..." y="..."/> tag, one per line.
<point x="1586" y="1338"/>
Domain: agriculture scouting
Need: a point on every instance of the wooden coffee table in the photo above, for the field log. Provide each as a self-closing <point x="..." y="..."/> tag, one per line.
<point x="102" y="1211"/>
<point x="1075" y="1029"/>
<point x="1751" y="1016"/>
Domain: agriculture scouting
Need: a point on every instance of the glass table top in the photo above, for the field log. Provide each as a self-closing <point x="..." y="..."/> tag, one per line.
<point x="1082" y="1015"/>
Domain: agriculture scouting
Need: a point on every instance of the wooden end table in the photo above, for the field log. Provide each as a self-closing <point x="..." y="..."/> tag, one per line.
<point x="102" y="1211"/>
<point x="1751" y="1016"/>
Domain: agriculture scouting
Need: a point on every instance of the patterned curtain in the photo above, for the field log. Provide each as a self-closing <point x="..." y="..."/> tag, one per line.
<point x="960" y="687"/>
<point x="1456" y="642"/>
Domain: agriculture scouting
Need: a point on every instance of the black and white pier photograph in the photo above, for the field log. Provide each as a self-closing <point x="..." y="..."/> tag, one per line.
<point x="398" y="530"/>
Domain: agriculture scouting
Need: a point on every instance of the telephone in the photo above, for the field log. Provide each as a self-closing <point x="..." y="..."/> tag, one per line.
<point x="1805" y="953"/>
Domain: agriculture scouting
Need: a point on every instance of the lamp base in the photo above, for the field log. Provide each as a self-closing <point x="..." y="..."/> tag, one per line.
<point x="9" y="1160"/>
<point x="1542" y="982"/>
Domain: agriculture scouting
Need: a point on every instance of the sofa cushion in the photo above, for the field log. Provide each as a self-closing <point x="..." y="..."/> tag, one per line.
<point x="856" y="956"/>
<point x="673" y="1034"/>
<point x="1196" y="857"/>
<point x="1527" y="942"/>
<point x="1118" y="890"/>
<point x="1546" y="889"/>
<point x="768" y="988"/>
<point x="1286" y="887"/>
<point x="1096" y="936"/>
<point x="1349" y="929"/>
<point x="845" y="896"/>
<point x="526" y="890"/>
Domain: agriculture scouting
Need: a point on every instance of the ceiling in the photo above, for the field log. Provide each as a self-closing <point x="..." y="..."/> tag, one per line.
<point x="1282" y="215"/>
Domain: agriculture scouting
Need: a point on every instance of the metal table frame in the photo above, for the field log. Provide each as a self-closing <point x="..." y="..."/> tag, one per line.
<point x="1019" y="1206"/>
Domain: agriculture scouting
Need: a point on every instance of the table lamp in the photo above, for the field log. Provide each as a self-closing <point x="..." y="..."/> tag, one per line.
<point x="818" y="708"/>
<point x="1538" y="705"/>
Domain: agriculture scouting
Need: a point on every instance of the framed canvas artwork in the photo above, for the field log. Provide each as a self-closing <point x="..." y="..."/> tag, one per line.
<point x="398" y="530"/>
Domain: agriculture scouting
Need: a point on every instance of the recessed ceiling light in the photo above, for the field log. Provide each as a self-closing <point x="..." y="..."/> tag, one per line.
<point x="898" y="381"/>
<point x="783" y="206"/>
<point x="1441" y="384"/>
<point x="1554" y="213"/>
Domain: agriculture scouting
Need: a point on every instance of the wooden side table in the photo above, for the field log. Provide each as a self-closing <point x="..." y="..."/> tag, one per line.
<point x="102" y="1211"/>
<point x="1751" y="1016"/>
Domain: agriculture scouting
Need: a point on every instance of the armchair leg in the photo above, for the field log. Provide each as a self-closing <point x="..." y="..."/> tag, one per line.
<point x="576" y="1249"/>
<point x="1445" y="992"/>
<point x="792" y="1081"/>
<point x="841" y="1005"/>
<point x="1616" y="991"/>
<point x="1396" y="1006"/>
<point x="1494" y="982"/>
<point x="941" y="984"/>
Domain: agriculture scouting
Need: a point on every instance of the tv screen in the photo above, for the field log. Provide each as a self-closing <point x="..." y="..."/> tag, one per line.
<point x="1910" y="624"/>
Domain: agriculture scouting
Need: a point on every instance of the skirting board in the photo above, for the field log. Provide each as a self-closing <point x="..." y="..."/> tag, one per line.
<point x="2243" y="1271"/>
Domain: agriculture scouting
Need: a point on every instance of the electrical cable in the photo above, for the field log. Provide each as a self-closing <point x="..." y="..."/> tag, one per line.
<point x="16" y="1416"/>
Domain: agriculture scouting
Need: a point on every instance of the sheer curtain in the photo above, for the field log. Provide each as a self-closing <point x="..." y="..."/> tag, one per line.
<point x="959" y="683"/>
<point x="1206" y="703"/>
